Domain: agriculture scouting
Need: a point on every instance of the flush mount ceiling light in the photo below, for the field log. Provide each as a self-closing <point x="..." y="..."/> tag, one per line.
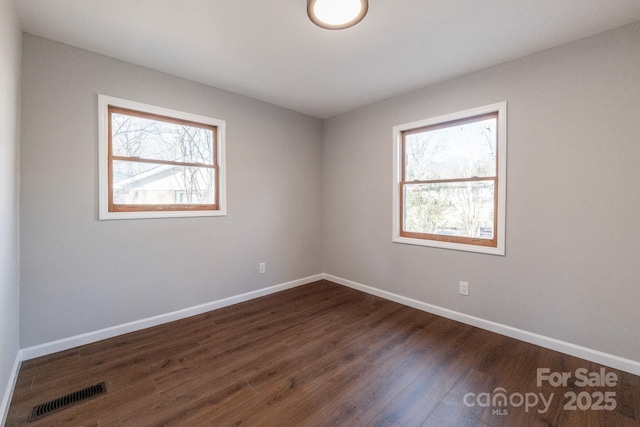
<point x="336" y="14"/>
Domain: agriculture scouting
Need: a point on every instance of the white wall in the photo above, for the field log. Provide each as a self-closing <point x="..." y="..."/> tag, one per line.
<point x="79" y="274"/>
<point x="10" y="51"/>
<point x="572" y="264"/>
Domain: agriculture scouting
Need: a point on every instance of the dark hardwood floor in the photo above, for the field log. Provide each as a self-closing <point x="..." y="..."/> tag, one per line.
<point x="321" y="355"/>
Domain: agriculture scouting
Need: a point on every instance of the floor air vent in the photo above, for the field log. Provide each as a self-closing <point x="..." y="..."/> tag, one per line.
<point x="64" y="402"/>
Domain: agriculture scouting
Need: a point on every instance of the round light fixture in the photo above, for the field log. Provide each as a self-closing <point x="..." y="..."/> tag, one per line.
<point x="336" y="14"/>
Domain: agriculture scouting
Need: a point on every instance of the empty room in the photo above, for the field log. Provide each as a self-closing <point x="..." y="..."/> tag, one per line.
<point x="320" y="213"/>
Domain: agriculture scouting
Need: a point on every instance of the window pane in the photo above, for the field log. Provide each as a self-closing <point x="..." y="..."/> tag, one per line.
<point x="134" y="136"/>
<point x="136" y="183"/>
<point x="459" y="151"/>
<point x="462" y="209"/>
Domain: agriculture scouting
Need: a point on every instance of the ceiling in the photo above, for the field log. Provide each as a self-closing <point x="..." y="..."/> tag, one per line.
<point x="269" y="50"/>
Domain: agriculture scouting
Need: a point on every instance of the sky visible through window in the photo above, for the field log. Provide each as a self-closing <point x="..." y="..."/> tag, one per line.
<point x="161" y="162"/>
<point x="438" y="160"/>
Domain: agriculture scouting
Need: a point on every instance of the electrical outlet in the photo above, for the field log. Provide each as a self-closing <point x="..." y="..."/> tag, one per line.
<point x="464" y="288"/>
<point x="262" y="267"/>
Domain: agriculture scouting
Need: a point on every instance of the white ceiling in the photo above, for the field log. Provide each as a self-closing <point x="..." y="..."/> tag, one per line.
<point x="269" y="50"/>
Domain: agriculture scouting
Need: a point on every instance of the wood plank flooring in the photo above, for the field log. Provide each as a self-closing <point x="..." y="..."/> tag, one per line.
<point x="319" y="355"/>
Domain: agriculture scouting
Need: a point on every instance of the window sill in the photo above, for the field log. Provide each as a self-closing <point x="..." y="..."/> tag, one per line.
<point x="159" y="214"/>
<point x="448" y="245"/>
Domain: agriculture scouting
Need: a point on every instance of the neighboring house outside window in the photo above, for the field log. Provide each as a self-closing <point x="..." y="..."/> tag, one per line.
<point x="450" y="181"/>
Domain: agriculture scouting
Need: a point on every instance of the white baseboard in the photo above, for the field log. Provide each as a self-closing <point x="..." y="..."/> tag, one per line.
<point x="8" y="393"/>
<point x="606" y="359"/>
<point x="91" y="337"/>
<point x="596" y="356"/>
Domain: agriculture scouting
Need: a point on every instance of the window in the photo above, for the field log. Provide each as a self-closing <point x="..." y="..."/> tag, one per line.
<point x="156" y="162"/>
<point x="450" y="181"/>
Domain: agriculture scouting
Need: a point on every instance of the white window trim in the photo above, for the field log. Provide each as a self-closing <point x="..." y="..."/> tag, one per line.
<point x="104" y="102"/>
<point x="501" y="108"/>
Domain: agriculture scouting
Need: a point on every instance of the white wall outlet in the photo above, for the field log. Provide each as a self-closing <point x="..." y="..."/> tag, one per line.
<point x="262" y="267"/>
<point x="464" y="288"/>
